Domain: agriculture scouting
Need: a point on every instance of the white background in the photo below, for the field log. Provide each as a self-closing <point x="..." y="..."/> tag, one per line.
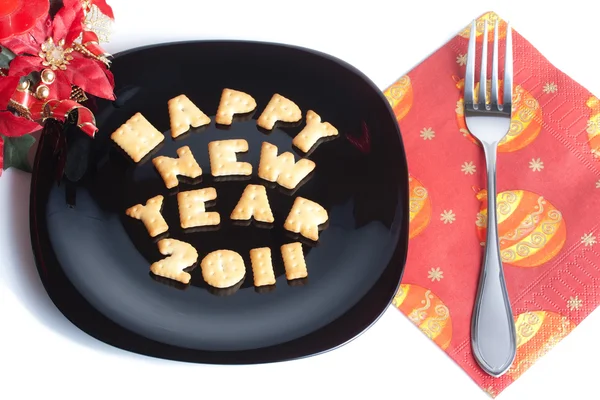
<point x="42" y="354"/>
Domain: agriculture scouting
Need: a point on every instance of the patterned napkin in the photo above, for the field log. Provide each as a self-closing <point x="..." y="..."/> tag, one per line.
<point x="548" y="203"/>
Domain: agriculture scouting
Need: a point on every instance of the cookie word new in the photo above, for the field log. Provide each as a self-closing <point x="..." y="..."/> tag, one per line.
<point x="225" y="268"/>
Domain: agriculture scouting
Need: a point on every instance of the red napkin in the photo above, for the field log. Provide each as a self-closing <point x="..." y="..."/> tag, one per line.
<point x="548" y="203"/>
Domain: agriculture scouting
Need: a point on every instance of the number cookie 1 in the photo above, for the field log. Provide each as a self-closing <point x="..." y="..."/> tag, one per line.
<point x="262" y="266"/>
<point x="293" y="261"/>
<point x="181" y="255"/>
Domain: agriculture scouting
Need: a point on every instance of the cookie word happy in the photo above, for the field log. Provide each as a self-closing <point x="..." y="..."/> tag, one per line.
<point x="137" y="137"/>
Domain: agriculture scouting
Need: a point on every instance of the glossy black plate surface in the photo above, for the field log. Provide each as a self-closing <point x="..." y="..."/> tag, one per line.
<point x="94" y="260"/>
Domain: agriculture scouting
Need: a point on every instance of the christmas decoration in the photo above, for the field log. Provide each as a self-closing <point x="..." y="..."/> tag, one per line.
<point x="537" y="333"/>
<point x="50" y="59"/>
<point x="427" y="311"/>
<point x="400" y="96"/>
<point x="526" y="121"/>
<point x="420" y="207"/>
<point x="531" y="230"/>
<point x="593" y="126"/>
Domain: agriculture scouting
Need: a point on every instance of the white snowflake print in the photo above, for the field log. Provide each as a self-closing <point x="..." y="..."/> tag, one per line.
<point x="468" y="168"/>
<point x="598" y="185"/>
<point x="550" y="87"/>
<point x="588" y="239"/>
<point x="596" y="153"/>
<point x="461" y="59"/>
<point x="427" y="133"/>
<point x="448" y="217"/>
<point x="435" y="274"/>
<point x="536" y="165"/>
<point x="574" y="303"/>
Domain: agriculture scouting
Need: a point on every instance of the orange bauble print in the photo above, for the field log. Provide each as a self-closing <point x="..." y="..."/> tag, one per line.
<point x="525" y="125"/>
<point x="593" y="126"/>
<point x="400" y="96"/>
<point x="537" y="333"/>
<point x="530" y="229"/>
<point x="491" y="18"/>
<point x="427" y="311"/>
<point x="420" y="207"/>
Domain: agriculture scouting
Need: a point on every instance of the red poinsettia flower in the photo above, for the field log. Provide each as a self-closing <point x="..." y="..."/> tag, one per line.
<point x="50" y="45"/>
<point x="19" y="16"/>
<point x="103" y="7"/>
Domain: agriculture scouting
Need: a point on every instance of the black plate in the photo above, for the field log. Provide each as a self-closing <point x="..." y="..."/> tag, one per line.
<point x="94" y="261"/>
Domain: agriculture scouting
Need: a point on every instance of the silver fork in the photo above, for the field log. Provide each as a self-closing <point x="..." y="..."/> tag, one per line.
<point x="493" y="336"/>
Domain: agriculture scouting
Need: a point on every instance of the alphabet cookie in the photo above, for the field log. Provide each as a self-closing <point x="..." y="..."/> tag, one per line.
<point x="183" y="114"/>
<point x="281" y="109"/>
<point x="150" y="215"/>
<point x="282" y="169"/>
<point x="137" y="137"/>
<point x="254" y="203"/>
<point x="192" y="208"/>
<point x="305" y="217"/>
<point x="313" y="131"/>
<point x="223" y="157"/>
<point x="233" y="102"/>
<point x="185" y="165"/>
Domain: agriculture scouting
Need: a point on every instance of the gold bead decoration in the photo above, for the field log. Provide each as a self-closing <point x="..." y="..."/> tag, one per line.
<point x="23" y="85"/>
<point x="42" y="92"/>
<point x="48" y="76"/>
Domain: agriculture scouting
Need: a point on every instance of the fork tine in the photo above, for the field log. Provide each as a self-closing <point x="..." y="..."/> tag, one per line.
<point x="483" y="73"/>
<point x="508" y="67"/>
<point x="494" y="95"/>
<point x="469" y="90"/>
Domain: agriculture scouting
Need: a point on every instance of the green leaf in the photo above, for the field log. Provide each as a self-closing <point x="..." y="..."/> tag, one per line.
<point x="16" y="152"/>
<point x="6" y="57"/>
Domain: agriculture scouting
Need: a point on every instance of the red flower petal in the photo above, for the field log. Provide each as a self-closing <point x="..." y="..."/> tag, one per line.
<point x="68" y="22"/>
<point x="30" y="42"/>
<point x="91" y="76"/>
<point x="24" y="65"/>
<point x="19" y="16"/>
<point x="13" y="126"/>
<point x="62" y="84"/>
<point x="110" y="77"/>
<point x="1" y="155"/>
<point x="104" y="8"/>
<point x="8" y="85"/>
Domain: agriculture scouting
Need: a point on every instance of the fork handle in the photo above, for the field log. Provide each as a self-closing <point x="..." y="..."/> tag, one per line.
<point x="493" y="335"/>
